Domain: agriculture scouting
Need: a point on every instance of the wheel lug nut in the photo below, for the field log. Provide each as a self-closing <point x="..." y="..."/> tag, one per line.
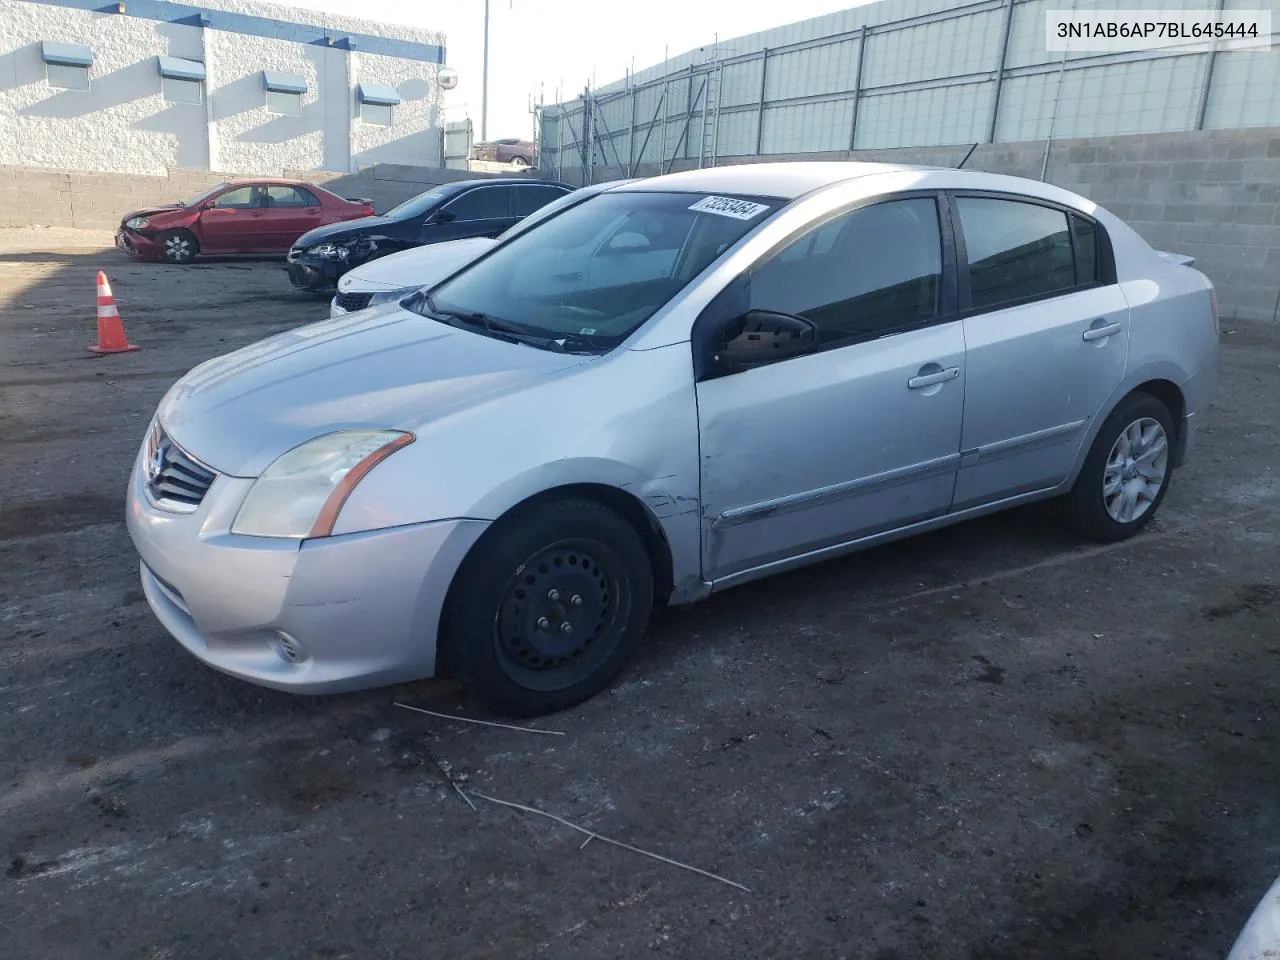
<point x="566" y="627"/>
<point x="553" y="595"/>
<point x="576" y="600"/>
<point x="543" y="623"/>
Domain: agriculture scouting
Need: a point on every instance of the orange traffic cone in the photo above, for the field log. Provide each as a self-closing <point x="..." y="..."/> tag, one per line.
<point x="111" y="338"/>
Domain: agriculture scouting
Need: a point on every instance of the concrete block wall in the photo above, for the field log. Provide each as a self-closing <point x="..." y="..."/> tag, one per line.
<point x="1214" y="194"/>
<point x="96" y="201"/>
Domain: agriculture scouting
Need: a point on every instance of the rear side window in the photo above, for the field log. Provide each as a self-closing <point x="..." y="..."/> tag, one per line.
<point x="531" y="198"/>
<point x="1016" y="251"/>
<point x="868" y="273"/>
<point x="486" y="203"/>
<point x="283" y="195"/>
<point x="1084" y="236"/>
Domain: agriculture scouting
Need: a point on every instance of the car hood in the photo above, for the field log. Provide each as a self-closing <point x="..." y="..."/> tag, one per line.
<point x="361" y="226"/>
<point x="151" y="211"/>
<point x="414" y="268"/>
<point x="385" y="369"/>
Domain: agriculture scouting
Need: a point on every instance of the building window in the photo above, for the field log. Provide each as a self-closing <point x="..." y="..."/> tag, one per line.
<point x="379" y="114"/>
<point x="67" y="77"/>
<point x="181" y="81"/>
<point x="284" y="103"/>
<point x="67" y="64"/>
<point x="182" y="91"/>
<point x="284" y="92"/>
<point x="376" y="102"/>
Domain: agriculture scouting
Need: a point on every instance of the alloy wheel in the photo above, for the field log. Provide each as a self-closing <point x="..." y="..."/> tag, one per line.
<point x="1136" y="469"/>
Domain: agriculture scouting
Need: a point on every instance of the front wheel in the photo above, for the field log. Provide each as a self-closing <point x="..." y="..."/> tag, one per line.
<point x="179" y="246"/>
<point x="519" y="162"/>
<point x="548" y="608"/>
<point x="1127" y="472"/>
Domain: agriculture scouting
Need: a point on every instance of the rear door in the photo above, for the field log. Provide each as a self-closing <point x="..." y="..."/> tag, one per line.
<point x="479" y="212"/>
<point x="528" y="198"/>
<point x="289" y="212"/>
<point x="1047" y="335"/>
<point x="232" y="224"/>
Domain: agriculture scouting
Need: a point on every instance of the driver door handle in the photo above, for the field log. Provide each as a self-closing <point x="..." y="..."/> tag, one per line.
<point x="922" y="380"/>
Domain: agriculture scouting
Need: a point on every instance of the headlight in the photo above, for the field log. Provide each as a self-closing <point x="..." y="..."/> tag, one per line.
<point x="386" y="296"/>
<point x="301" y="493"/>
<point x="330" y="251"/>
<point x="137" y="223"/>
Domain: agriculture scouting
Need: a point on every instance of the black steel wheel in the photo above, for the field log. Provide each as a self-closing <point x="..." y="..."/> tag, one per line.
<point x="548" y="607"/>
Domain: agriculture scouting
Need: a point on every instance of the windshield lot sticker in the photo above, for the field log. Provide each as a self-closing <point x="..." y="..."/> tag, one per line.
<point x="729" y="207"/>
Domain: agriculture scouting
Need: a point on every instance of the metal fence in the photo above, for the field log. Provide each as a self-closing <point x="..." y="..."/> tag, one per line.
<point x="962" y="73"/>
<point x="457" y="144"/>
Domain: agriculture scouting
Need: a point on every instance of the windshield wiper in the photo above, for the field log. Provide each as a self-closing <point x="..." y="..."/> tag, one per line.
<point x="562" y="343"/>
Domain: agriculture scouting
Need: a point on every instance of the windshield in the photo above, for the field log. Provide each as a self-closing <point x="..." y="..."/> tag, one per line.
<point x="204" y="196"/>
<point x="550" y="210"/>
<point x="598" y="270"/>
<point x="416" y="206"/>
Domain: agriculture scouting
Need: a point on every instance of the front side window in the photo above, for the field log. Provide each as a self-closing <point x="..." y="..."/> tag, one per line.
<point x="601" y="268"/>
<point x="417" y="205"/>
<point x="487" y="203"/>
<point x="867" y="273"/>
<point x="241" y="198"/>
<point x="67" y="76"/>
<point x="1017" y="251"/>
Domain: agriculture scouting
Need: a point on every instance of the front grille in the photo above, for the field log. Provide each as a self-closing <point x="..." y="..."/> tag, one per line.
<point x="174" y="477"/>
<point x="351" y="302"/>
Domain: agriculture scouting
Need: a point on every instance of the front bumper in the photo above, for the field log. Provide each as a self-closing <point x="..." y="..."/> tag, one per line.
<point x="313" y="273"/>
<point x="137" y="245"/>
<point x="324" y="616"/>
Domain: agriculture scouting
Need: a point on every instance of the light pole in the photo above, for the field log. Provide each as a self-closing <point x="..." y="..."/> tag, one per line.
<point x="484" y="83"/>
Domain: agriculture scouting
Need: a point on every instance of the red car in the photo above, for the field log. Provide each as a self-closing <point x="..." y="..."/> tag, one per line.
<point x="241" y="216"/>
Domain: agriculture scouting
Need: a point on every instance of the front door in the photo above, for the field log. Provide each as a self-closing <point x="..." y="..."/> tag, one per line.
<point x="231" y="224"/>
<point x="480" y="212"/>
<point x="289" y="212"/>
<point x="1047" y="338"/>
<point x="860" y="437"/>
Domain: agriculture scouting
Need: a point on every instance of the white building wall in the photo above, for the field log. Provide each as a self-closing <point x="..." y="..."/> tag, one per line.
<point x="123" y="124"/>
<point x="413" y="137"/>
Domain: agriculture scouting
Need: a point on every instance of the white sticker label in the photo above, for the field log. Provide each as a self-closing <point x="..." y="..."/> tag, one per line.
<point x="729" y="207"/>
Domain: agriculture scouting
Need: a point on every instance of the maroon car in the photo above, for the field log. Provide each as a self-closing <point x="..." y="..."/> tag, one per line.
<point x="238" y="217"/>
<point x="522" y="153"/>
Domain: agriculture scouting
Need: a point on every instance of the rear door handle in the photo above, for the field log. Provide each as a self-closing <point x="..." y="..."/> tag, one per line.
<point x="922" y="380"/>
<point x="1099" y="332"/>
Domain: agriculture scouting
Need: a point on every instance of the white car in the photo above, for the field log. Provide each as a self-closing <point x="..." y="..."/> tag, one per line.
<point x="396" y="276"/>
<point x="1260" y="937"/>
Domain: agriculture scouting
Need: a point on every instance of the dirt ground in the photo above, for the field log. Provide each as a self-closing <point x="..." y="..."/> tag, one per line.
<point x="993" y="742"/>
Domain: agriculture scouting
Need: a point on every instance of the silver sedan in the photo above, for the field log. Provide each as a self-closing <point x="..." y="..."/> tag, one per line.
<point x="680" y="385"/>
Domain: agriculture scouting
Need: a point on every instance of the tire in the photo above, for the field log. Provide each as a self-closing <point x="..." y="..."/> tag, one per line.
<point x="520" y="161"/>
<point x="569" y="561"/>
<point x="1115" y="497"/>
<point x="180" y="246"/>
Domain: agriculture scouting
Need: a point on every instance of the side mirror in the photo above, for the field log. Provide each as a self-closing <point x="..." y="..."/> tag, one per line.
<point x="761" y="337"/>
<point x="628" y="242"/>
<point x="444" y="216"/>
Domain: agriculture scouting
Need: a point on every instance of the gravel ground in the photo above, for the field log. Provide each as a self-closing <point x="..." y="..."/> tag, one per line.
<point x="992" y="742"/>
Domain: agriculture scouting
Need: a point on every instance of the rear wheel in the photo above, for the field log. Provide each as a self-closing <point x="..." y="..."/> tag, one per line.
<point x="519" y="161"/>
<point x="548" y="608"/>
<point x="180" y="246"/>
<point x="1127" y="472"/>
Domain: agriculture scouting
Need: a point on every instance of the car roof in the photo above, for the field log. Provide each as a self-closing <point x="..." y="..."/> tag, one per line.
<point x="457" y="185"/>
<point x="785" y="180"/>
<point x="250" y="181"/>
